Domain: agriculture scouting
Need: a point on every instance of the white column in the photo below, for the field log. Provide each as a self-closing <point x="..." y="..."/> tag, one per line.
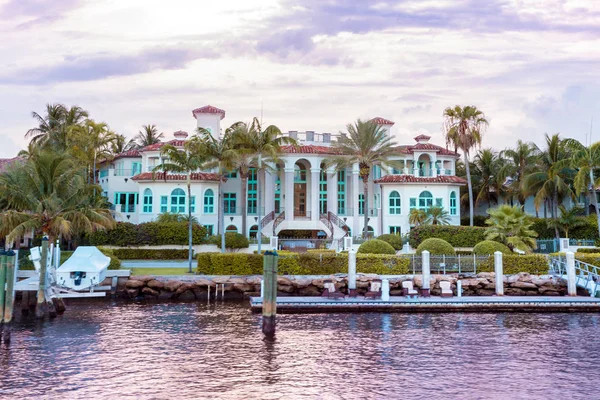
<point x="313" y="195"/>
<point x="426" y="273"/>
<point x="352" y="273"/>
<point x="433" y="167"/>
<point x="499" y="273"/>
<point x="269" y="194"/>
<point x="571" y="284"/>
<point x="353" y="201"/>
<point x="289" y="194"/>
<point x="385" y="289"/>
<point x="332" y="191"/>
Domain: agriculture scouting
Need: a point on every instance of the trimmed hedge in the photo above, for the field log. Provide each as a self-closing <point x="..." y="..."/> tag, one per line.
<point x="457" y="236"/>
<point x="394" y="240"/>
<point x="375" y="246"/>
<point x="126" y="234"/>
<point x="300" y="264"/>
<point x="478" y="220"/>
<point x="592" y="250"/>
<point x="436" y="247"/>
<point x="535" y="264"/>
<point x="489" y="247"/>
<point x="115" y="263"/>
<point x="587" y="231"/>
<point x="233" y="241"/>
<point x="150" y="254"/>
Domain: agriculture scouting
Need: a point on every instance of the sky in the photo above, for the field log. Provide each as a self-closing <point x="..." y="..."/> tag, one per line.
<point x="532" y="66"/>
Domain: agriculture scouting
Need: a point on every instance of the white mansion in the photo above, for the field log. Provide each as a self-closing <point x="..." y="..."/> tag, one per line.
<point x="300" y="195"/>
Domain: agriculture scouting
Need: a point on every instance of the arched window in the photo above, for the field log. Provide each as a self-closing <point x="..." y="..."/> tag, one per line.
<point x="395" y="203"/>
<point x="231" y="228"/>
<point x="209" y="202"/>
<point x="453" y="203"/>
<point x="425" y="200"/>
<point x="147" y="206"/>
<point x="370" y="231"/>
<point x="178" y="201"/>
<point x="253" y="231"/>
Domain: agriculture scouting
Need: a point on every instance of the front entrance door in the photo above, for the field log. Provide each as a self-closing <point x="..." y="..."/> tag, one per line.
<point x="300" y="200"/>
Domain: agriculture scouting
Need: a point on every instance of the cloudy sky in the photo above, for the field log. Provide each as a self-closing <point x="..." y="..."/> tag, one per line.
<point x="531" y="65"/>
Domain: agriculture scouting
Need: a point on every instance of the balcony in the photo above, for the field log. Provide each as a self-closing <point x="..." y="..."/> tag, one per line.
<point x="310" y="137"/>
<point x="126" y="172"/>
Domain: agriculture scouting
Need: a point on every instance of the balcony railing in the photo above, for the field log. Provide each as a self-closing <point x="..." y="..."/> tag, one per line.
<point x="126" y="172"/>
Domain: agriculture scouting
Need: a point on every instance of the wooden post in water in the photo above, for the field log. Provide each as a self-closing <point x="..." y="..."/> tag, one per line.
<point x="2" y="286"/>
<point x="269" y="305"/>
<point x="10" y="293"/>
<point x="40" y="310"/>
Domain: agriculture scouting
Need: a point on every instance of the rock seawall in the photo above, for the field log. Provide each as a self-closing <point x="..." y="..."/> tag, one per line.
<point x="189" y="288"/>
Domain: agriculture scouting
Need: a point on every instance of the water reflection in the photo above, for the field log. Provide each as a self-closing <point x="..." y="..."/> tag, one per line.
<point x="217" y="351"/>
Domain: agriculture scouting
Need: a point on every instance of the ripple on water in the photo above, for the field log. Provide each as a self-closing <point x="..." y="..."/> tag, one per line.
<point x="104" y="350"/>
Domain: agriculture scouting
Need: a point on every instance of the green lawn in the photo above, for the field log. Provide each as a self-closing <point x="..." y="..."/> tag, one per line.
<point x="159" y="271"/>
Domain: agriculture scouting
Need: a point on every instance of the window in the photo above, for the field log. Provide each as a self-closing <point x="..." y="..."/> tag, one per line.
<point x="299" y="173"/>
<point x="178" y="201"/>
<point x="147" y="208"/>
<point x="209" y="230"/>
<point x="376" y="198"/>
<point x="209" y="202"/>
<point x="376" y="172"/>
<point x="413" y="203"/>
<point x="193" y="204"/>
<point x="136" y="168"/>
<point x="231" y="175"/>
<point x="361" y="204"/>
<point x="278" y="191"/>
<point x="453" y="203"/>
<point x="231" y="229"/>
<point x="341" y="192"/>
<point x="253" y="231"/>
<point x="164" y="204"/>
<point x="323" y="192"/>
<point x="439" y="202"/>
<point x="230" y="203"/>
<point x="126" y="202"/>
<point x="425" y="200"/>
<point x="395" y="230"/>
<point x="395" y="203"/>
<point x="251" y="196"/>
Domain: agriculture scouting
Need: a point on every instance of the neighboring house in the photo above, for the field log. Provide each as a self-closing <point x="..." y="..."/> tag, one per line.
<point x="299" y="194"/>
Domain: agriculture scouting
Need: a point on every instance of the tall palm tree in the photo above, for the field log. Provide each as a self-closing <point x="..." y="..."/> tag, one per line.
<point x="489" y="173"/>
<point x="220" y="154"/>
<point x="511" y="226"/>
<point x="121" y="144"/>
<point x="551" y="180"/>
<point x="50" y="193"/>
<point x="90" y="142"/>
<point x="567" y="219"/>
<point x="367" y="145"/>
<point x="585" y="160"/>
<point x="53" y="129"/>
<point x="464" y="127"/>
<point x="148" y="135"/>
<point x="183" y="161"/>
<point x="262" y="144"/>
<point x="437" y="216"/>
<point x="523" y="159"/>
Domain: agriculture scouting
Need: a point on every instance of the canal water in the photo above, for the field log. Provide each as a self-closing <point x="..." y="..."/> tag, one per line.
<point x="161" y="351"/>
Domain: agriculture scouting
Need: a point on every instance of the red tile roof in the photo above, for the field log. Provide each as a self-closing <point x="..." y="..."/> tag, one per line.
<point x="382" y="121"/>
<point x="7" y="162"/>
<point x="421" y="179"/>
<point x="208" y="110"/>
<point x="426" y="147"/>
<point x="134" y="153"/>
<point x="160" y="176"/>
<point x="157" y="146"/>
<point x="308" y="149"/>
<point x="422" y="137"/>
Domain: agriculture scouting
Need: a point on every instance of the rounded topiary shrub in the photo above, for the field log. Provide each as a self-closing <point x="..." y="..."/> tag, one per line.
<point x="394" y="240"/>
<point x="376" y="246"/>
<point x="436" y="247"/>
<point x="489" y="247"/>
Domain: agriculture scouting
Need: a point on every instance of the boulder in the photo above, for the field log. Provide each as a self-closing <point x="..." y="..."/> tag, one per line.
<point x="187" y="295"/>
<point x="473" y="283"/>
<point x="542" y="280"/>
<point x="514" y="292"/>
<point x="284" y="281"/>
<point x="487" y="275"/>
<point x="395" y="292"/>
<point x="221" y="279"/>
<point x="236" y="280"/>
<point x="165" y="295"/>
<point x="254" y="280"/>
<point x="203" y="283"/>
<point x="318" y="283"/>
<point x="551" y="293"/>
<point x="362" y="284"/>
<point x="144" y="278"/>
<point x="156" y="285"/>
<point x="366" y="277"/>
<point x="183" y="288"/>
<point x="243" y="287"/>
<point x="132" y="293"/>
<point x="134" y="284"/>
<point x="286" y="288"/>
<point x="486" y="292"/>
<point x="512" y="278"/>
<point x="309" y="291"/>
<point x="524" y="277"/>
<point x="523" y="285"/>
<point x="301" y="282"/>
<point x="172" y="286"/>
<point x="150" y="292"/>
<point x="418" y="281"/>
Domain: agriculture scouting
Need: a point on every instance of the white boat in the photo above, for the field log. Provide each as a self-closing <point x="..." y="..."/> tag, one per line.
<point x="84" y="269"/>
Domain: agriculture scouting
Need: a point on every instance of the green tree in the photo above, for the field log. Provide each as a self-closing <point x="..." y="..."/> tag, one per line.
<point x="489" y="175"/>
<point x="90" y="142"/>
<point x="464" y="127"/>
<point x="567" y="219"/>
<point x="148" y="135"/>
<point x="183" y="161"/>
<point x="55" y="126"/>
<point x="121" y="144"/>
<point x="368" y="145"/>
<point x="417" y="217"/>
<point x="523" y="160"/>
<point x="585" y="160"/>
<point x="512" y="227"/>
<point x="436" y="216"/>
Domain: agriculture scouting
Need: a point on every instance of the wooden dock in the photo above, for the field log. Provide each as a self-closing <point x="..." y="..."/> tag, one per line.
<point x="292" y="305"/>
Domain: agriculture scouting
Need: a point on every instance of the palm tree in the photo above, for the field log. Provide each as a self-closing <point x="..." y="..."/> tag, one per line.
<point x="437" y="216"/>
<point x="90" y="142"/>
<point x="50" y="193"/>
<point x="585" y="159"/>
<point x="186" y="162"/>
<point x="568" y="219"/>
<point x="417" y="217"/>
<point x="53" y="129"/>
<point x="121" y="145"/>
<point x="262" y="144"/>
<point x="523" y="159"/>
<point x="367" y="145"/>
<point x="148" y="135"/>
<point x="551" y="179"/>
<point x="511" y="226"/>
<point x="219" y="154"/>
<point x="464" y="126"/>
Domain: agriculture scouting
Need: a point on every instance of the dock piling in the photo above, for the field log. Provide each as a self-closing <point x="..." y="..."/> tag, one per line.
<point x="40" y="310"/>
<point x="385" y="290"/>
<point x="269" y="302"/>
<point x="426" y="270"/>
<point x="352" y="273"/>
<point x="9" y="297"/>
<point x="499" y="273"/>
<point x="2" y="286"/>
<point x="571" y="277"/>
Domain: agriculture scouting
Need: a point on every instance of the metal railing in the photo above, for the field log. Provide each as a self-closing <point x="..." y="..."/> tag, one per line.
<point x="325" y="220"/>
<point x="459" y="264"/>
<point x="278" y="220"/>
<point x="338" y="222"/>
<point x="127" y="172"/>
<point x="267" y="219"/>
<point x="581" y="242"/>
<point x="587" y="275"/>
<point x="301" y="245"/>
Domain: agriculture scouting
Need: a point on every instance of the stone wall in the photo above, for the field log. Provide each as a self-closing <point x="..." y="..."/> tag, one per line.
<point x="189" y="288"/>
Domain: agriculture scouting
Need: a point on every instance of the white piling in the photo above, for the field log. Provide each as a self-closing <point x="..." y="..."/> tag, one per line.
<point x="459" y="288"/>
<point x="262" y="289"/>
<point x="499" y="273"/>
<point x="352" y="273"/>
<point x="385" y="289"/>
<point x="426" y="270"/>
<point x="571" y="283"/>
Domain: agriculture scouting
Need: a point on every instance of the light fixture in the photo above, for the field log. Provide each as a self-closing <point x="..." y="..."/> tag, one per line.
<point x="128" y="216"/>
<point x="126" y="179"/>
<point x="231" y="219"/>
<point x="345" y="219"/>
<point x="255" y="219"/>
